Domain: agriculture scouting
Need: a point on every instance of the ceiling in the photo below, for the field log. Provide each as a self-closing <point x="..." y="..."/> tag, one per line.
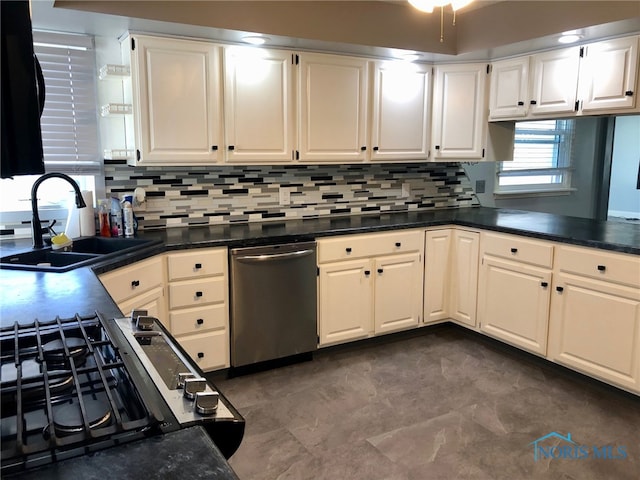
<point x="484" y="30"/>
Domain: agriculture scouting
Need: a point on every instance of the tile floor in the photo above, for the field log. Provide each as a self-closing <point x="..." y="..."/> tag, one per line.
<point x="440" y="403"/>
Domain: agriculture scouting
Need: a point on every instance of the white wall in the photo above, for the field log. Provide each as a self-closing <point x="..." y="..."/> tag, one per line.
<point x="624" y="196"/>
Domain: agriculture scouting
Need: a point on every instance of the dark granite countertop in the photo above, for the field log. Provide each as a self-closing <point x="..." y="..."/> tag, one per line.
<point x="187" y="453"/>
<point x="25" y="296"/>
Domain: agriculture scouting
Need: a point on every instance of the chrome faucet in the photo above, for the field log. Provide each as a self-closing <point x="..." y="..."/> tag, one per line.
<point x="36" y="228"/>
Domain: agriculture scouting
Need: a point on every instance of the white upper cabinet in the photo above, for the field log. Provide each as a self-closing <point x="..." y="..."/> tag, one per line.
<point x="176" y="99"/>
<point x="400" y="119"/>
<point x="509" y="93"/>
<point x="554" y="80"/>
<point x="459" y="112"/>
<point x="332" y="108"/>
<point x="608" y="75"/>
<point x="258" y="110"/>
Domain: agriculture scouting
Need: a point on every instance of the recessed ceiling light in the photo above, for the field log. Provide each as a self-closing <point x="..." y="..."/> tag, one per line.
<point x="255" y="40"/>
<point x="572" y="38"/>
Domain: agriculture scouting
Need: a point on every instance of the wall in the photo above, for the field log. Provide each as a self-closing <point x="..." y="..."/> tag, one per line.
<point x="624" y="196"/>
<point x="226" y="194"/>
<point x="581" y="202"/>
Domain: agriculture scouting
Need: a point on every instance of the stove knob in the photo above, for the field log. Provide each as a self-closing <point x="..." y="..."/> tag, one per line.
<point x="138" y="313"/>
<point x="182" y="377"/>
<point x="145" y="322"/>
<point x="206" y="403"/>
<point x="193" y="386"/>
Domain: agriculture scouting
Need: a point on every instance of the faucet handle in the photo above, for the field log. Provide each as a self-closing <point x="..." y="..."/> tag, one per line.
<point x="50" y="229"/>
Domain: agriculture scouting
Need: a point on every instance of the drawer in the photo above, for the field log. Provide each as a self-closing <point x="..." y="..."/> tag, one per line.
<point x="129" y="281"/>
<point x="198" y="319"/>
<point x="209" y="351"/>
<point x="519" y="249"/>
<point x="192" y="293"/>
<point x="197" y="263"/>
<point x="369" y="245"/>
<point x="607" y="266"/>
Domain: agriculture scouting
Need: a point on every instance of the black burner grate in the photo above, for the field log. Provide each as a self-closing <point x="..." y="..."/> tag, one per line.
<point x="65" y="390"/>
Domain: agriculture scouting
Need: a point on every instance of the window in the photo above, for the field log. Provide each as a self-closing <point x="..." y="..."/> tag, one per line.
<point x="69" y="127"/>
<point x="541" y="158"/>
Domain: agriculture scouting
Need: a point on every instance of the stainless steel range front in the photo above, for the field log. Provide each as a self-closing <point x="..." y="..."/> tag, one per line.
<point x="77" y="385"/>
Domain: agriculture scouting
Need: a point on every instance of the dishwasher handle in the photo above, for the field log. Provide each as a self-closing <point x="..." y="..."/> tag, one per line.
<point x="266" y="257"/>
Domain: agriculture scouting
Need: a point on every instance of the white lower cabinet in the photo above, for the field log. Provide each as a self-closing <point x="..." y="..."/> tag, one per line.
<point x="595" y="315"/>
<point x="198" y="305"/>
<point x="369" y="284"/>
<point x="437" y="265"/>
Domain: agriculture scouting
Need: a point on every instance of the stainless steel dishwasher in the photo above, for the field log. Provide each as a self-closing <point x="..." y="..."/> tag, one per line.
<point x="273" y="302"/>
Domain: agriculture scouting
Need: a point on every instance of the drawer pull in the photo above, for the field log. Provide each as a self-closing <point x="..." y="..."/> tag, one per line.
<point x="200" y="355"/>
<point x="602" y="268"/>
<point x="348" y="249"/>
<point x="135" y="283"/>
<point x="514" y="250"/>
<point x="367" y="273"/>
<point x="198" y="294"/>
<point x="544" y="284"/>
<point x="197" y="266"/>
<point x="398" y="244"/>
<point x="520" y="104"/>
<point x="200" y="321"/>
<point x="380" y="270"/>
<point x="559" y="289"/>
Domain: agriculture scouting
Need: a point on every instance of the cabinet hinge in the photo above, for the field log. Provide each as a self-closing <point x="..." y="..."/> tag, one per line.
<point x="133" y="43"/>
<point x="317" y="271"/>
<point x="581" y="52"/>
<point x="297" y="59"/>
<point x="137" y="154"/>
<point x="297" y="155"/>
<point x="318" y="337"/>
<point x="577" y="105"/>
<point x="483" y="153"/>
<point x="488" y="68"/>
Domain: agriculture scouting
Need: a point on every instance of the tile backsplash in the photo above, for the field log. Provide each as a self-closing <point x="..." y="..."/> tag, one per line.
<point x="184" y="196"/>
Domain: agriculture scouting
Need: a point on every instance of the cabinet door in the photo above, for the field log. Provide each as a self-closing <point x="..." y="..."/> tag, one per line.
<point x="513" y="303"/>
<point x="398" y="292"/>
<point x="400" y="118"/>
<point x="595" y="328"/>
<point x="258" y="110"/>
<point x="176" y="90"/>
<point x="345" y="301"/>
<point x="608" y="75"/>
<point x="464" y="276"/>
<point x="332" y="105"/>
<point x="436" y="274"/>
<point x="459" y="111"/>
<point x="554" y="82"/>
<point x="152" y="301"/>
<point x="509" y="94"/>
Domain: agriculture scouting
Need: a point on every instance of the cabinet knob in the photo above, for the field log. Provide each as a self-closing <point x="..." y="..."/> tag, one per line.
<point x="602" y="268"/>
<point x="197" y="266"/>
<point x="544" y="284"/>
<point x="380" y="270"/>
<point x="398" y="244"/>
<point x="200" y="355"/>
<point x="367" y="273"/>
<point x="348" y="249"/>
<point x="200" y="321"/>
<point x="629" y="93"/>
<point x="214" y="148"/>
<point x="198" y="294"/>
<point x="232" y="147"/>
<point x="135" y="283"/>
<point x="533" y="102"/>
<point x="514" y="250"/>
<point x="559" y="289"/>
<point x="363" y="148"/>
<point x="375" y="149"/>
<point x="520" y="104"/>
<point x="437" y="147"/>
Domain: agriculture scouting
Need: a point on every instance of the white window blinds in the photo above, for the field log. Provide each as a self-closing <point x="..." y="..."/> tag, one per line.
<point x="69" y="121"/>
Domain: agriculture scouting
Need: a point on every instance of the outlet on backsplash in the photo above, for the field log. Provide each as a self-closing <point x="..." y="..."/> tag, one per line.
<point x="285" y="196"/>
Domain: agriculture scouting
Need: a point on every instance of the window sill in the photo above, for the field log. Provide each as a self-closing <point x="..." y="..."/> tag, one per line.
<point x="556" y="192"/>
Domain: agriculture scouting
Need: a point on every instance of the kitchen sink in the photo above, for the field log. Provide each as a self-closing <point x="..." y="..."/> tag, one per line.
<point x="85" y="251"/>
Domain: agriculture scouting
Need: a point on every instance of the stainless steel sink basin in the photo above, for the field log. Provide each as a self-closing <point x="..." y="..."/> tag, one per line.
<point x="86" y="251"/>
